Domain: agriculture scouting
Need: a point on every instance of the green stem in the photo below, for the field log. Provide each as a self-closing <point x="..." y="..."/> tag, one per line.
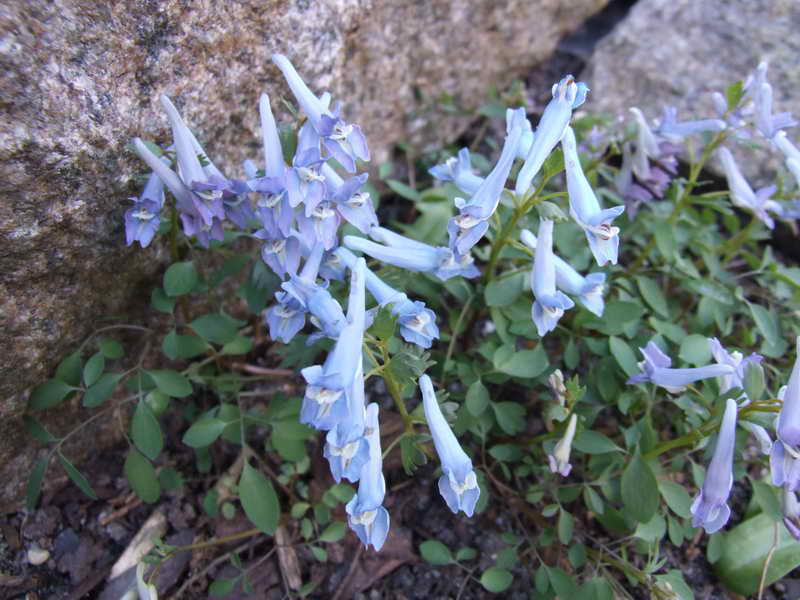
<point x="732" y="246"/>
<point x="394" y="390"/>
<point x="455" y="334"/>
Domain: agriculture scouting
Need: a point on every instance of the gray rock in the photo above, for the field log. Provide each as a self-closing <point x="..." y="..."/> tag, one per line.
<point x="79" y="79"/>
<point x="676" y="52"/>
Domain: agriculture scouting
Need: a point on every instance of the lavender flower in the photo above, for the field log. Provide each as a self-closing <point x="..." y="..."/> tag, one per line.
<point x="346" y="445"/>
<point x="589" y="289"/>
<point x="735" y="360"/>
<point x="516" y="118"/>
<point x="354" y="205"/>
<point x="459" y="171"/>
<point x="585" y="209"/>
<point x="320" y="224"/>
<point x="742" y="194"/>
<point x="285" y="318"/>
<point x="656" y="369"/>
<point x="549" y="304"/>
<point x="344" y="141"/>
<point x="417" y="323"/>
<point x="710" y="508"/>
<point x="326" y="400"/>
<point x="567" y="96"/>
<point x="282" y="255"/>
<point x="674" y="131"/>
<point x="304" y="181"/>
<point x="791" y="153"/>
<point x="785" y="457"/>
<point x="791" y="513"/>
<point x="142" y="219"/>
<point x="559" y="460"/>
<point x="365" y="512"/>
<point x="471" y="224"/>
<point x="413" y="255"/>
<point x="458" y="485"/>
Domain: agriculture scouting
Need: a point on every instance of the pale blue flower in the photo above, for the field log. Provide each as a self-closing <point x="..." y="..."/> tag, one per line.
<point x="346" y="445"/>
<point x="675" y="131"/>
<point x="791" y="153"/>
<point x="285" y="318"/>
<point x="710" y="508"/>
<point x="742" y="194"/>
<point x="304" y="181"/>
<point x="344" y="141"/>
<point x="142" y="219"/>
<point x="458" y="484"/>
<point x="471" y="224"/>
<point x="589" y="289"/>
<point x="736" y="360"/>
<point x="282" y="255"/>
<point x="785" y="458"/>
<point x="517" y="118"/>
<point x="326" y="399"/>
<point x="559" y="460"/>
<point x="365" y="512"/>
<point x="585" y="208"/>
<point x="412" y="255"/>
<point x="549" y="304"/>
<point x="767" y="123"/>
<point x="656" y="369"/>
<point x="353" y="204"/>
<point x="459" y="171"/>
<point x="417" y="323"/>
<point x="567" y="96"/>
<point x="320" y="224"/>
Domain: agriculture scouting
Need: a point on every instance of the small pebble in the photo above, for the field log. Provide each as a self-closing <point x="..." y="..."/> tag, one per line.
<point x="37" y="556"/>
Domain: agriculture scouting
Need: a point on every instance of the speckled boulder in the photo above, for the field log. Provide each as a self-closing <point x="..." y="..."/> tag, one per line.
<point x="78" y="79"/>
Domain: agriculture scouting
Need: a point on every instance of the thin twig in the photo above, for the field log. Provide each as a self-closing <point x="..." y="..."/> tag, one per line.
<point x="213" y="564"/>
<point x="350" y="572"/>
<point x="256" y="370"/>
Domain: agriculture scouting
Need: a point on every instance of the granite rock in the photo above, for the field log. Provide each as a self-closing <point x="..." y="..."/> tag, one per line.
<point x="78" y="79"/>
<point x="676" y="52"/>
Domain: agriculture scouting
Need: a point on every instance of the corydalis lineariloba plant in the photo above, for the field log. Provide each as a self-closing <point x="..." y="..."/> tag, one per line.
<point x="670" y="276"/>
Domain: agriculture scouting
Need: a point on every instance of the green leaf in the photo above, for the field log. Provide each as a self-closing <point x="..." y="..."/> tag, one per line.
<point x="215" y="327"/>
<point x="146" y="431"/>
<point x="510" y="416"/>
<point x="665" y="240"/>
<point x="652" y="294"/>
<point x="677" y="586"/>
<point x="333" y="532"/>
<point x="733" y="94"/>
<point x="695" y="349"/>
<point x="102" y="390"/>
<point x="676" y="497"/>
<point x="34" y="488"/>
<point x="176" y="346"/>
<point x="496" y="580"/>
<point x="204" y="432"/>
<point x="222" y="587"/>
<point x="594" y="442"/>
<point x="180" y="278"/>
<point x="161" y="302"/>
<point x="466" y="554"/>
<point x="640" y="490"/>
<point x="77" y="477"/>
<point x="653" y="530"/>
<point x="50" y="393"/>
<point x="384" y="324"/>
<point x="170" y="479"/>
<point x="769" y="327"/>
<point x="435" y="552"/>
<point x="142" y="477"/>
<point x="403" y="190"/>
<point x="94" y="368"/>
<point x="239" y="345"/>
<point x="37" y="430"/>
<point x="593" y="500"/>
<point x="477" y="398"/>
<point x="566" y="525"/>
<point x="504" y="291"/>
<point x="70" y="370"/>
<point x="259" y="500"/>
<point x="171" y="383"/>
<point x="520" y="363"/>
<point x="110" y="348"/>
<point x="596" y="589"/>
<point x="767" y="498"/>
<point x="319" y="553"/>
<point x="624" y="356"/>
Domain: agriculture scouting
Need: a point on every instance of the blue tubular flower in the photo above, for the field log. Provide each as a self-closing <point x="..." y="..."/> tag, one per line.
<point x="326" y="400"/>
<point x="567" y="95"/>
<point x="767" y="123"/>
<point x="791" y="153"/>
<point x="646" y="145"/>
<point x="458" y="485"/>
<point x="275" y="166"/>
<point x="459" y="171"/>
<point x="785" y="457"/>
<point x="282" y="255"/>
<point x="517" y="118"/>
<point x="412" y="255"/>
<point x="549" y="304"/>
<point x="182" y="193"/>
<point x="304" y="181"/>
<point x="344" y="141"/>
<point x="675" y="131"/>
<point x="346" y="445"/>
<point x="735" y="360"/>
<point x="710" y="508"/>
<point x="365" y="513"/>
<point x="320" y="225"/>
<point x="585" y="209"/>
<point x="208" y="192"/>
<point x="742" y="194"/>
<point x="285" y="318"/>
<point x="417" y="323"/>
<point x="559" y="460"/>
<point x="656" y="369"/>
<point x="142" y="219"/>
<point x="471" y="224"/>
<point x="589" y="289"/>
<point x="354" y="205"/>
